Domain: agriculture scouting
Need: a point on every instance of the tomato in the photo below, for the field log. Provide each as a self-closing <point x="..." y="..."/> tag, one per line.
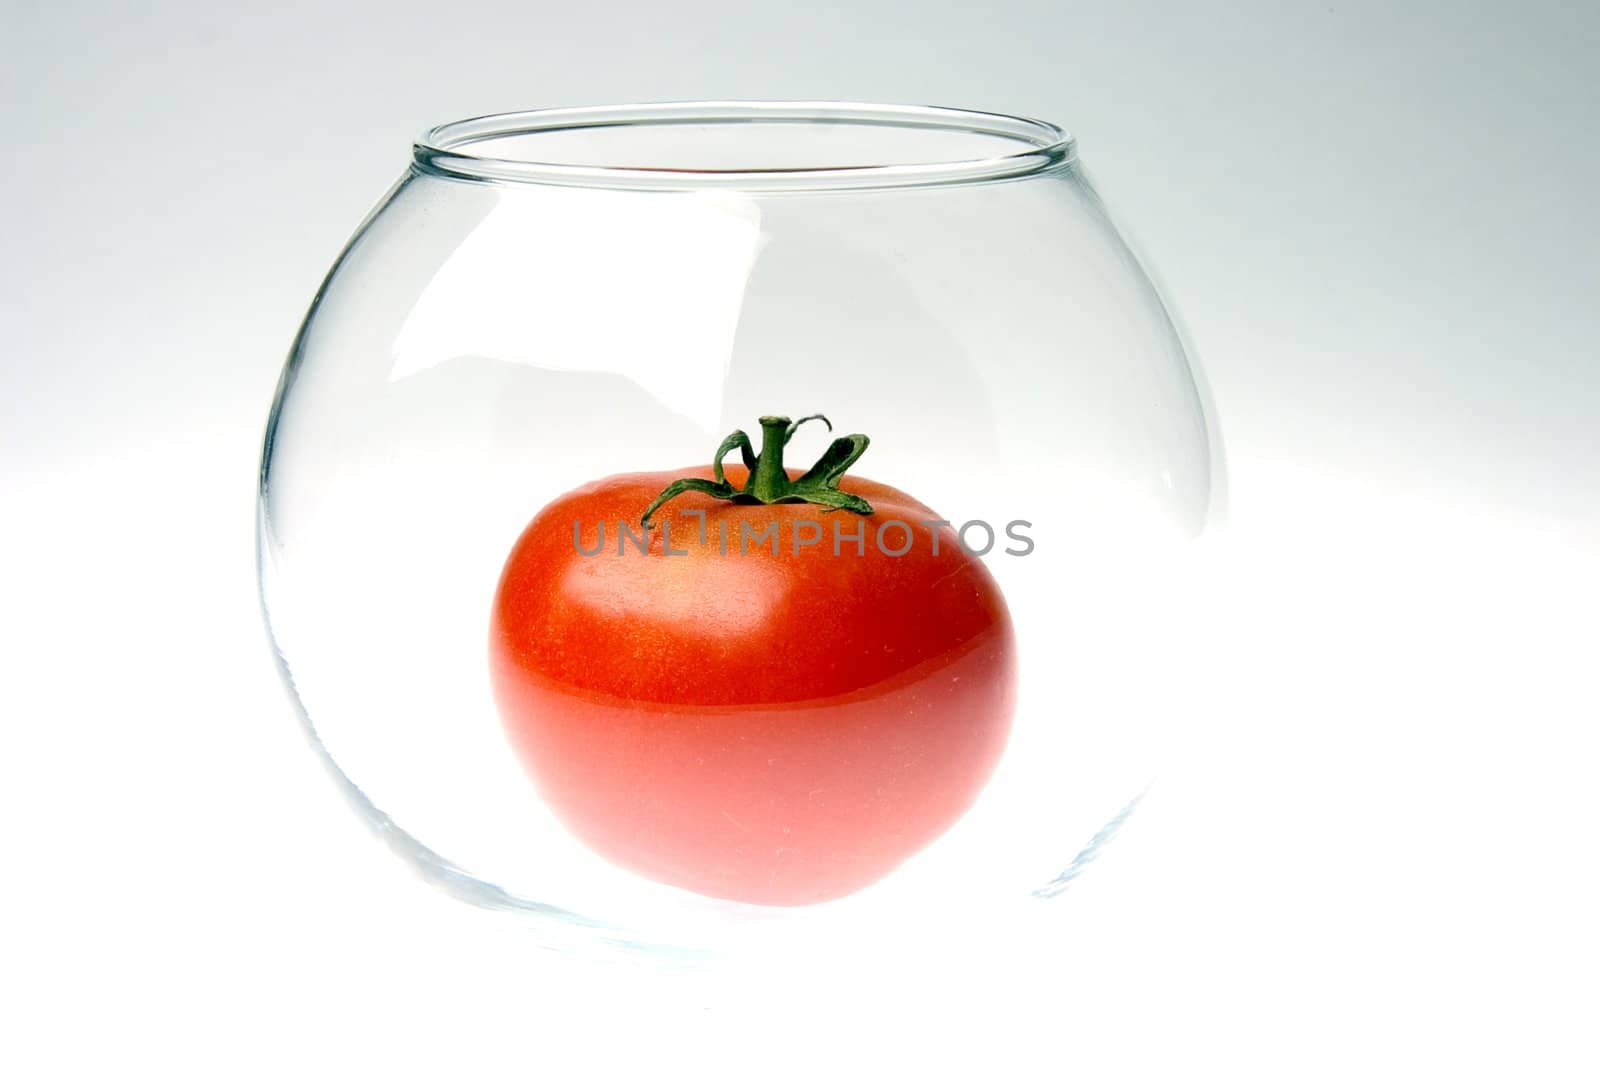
<point x="761" y="721"/>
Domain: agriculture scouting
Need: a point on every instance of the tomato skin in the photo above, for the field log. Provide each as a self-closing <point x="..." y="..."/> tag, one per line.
<point x="779" y="730"/>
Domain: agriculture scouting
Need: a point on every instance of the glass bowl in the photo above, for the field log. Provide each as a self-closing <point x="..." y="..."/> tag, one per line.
<point x="924" y="463"/>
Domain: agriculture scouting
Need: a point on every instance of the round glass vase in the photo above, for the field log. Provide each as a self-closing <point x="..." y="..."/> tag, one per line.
<point x="932" y="694"/>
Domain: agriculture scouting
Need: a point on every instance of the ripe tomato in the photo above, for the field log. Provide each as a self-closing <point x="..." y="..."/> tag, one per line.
<point x="765" y="723"/>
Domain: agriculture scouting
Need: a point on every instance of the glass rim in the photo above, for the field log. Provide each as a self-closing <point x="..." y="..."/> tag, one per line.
<point x="445" y="150"/>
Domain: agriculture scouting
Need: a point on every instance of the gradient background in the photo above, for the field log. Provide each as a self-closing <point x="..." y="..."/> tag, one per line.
<point x="1378" y="224"/>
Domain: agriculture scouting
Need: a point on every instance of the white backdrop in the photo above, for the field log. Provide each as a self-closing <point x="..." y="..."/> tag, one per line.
<point x="1378" y="227"/>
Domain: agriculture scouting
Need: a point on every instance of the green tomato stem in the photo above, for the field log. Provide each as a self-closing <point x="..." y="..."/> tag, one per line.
<point x="769" y="481"/>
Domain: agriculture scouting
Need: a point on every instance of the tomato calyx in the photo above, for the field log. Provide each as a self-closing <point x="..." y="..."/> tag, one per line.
<point x="769" y="482"/>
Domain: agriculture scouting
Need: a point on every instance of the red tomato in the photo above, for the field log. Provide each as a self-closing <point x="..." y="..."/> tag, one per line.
<point x="776" y="729"/>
